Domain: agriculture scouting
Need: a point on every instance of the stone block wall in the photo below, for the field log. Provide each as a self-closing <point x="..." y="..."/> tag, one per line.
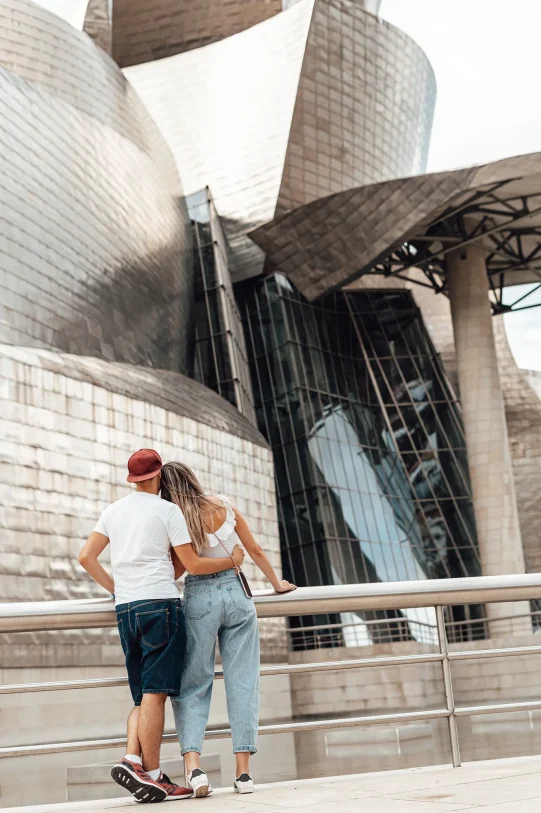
<point x="68" y="426"/>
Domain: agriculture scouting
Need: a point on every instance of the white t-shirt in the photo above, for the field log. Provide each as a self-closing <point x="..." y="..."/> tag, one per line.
<point x="141" y="529"/>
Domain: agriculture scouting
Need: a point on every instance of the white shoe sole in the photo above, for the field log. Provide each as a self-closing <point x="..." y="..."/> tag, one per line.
<point x="201" y="787"/>
<point x="249" y="789"/>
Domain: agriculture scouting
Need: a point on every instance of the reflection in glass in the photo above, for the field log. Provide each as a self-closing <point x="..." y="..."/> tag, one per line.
<point x="369" y="448"/>
<point x="220" y="357"/>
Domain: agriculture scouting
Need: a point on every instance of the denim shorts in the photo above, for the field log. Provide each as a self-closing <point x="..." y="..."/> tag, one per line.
<point x="153" y="637"/>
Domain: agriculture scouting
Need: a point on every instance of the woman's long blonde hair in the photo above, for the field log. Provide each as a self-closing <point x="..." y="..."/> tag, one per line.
<point x="180" y="485"/>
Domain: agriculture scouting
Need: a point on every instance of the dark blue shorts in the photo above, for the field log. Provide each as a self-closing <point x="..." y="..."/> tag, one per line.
<point x="153" y="636"/>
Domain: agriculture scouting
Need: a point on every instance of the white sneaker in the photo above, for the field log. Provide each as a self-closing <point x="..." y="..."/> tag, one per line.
<point x="198" y="781"/>
<point x="244" y="784"/>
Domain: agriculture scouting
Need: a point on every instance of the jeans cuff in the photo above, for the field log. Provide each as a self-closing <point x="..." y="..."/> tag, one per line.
<point x="243" y="749"/>
<point x="190" y="748"/>
<point x="169" y="692"/>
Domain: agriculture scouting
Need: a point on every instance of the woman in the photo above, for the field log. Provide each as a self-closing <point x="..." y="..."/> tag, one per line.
<point x="217" y="607"/>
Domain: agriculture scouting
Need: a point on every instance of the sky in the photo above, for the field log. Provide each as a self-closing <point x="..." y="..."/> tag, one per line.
<point x="487" y="61"/>
<point x="73" y="11"/>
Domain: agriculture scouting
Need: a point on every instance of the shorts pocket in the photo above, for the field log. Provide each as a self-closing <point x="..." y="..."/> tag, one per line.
<point x="153" y="626"/>
<point x="197" y="604"/>
<point x="120" y="622"/>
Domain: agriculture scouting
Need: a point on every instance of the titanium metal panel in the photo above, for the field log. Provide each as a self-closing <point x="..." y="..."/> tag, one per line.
<point x="332" y="241"/>
<point x="317" y="99"/>
<point x="145" y="30"/>
<point x="95" y="242"/>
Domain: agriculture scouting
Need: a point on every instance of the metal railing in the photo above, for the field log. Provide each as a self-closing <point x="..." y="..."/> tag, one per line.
<point x="377" y="631"/>
<point x="393" y="630"/>
<point x="99" y="613"/>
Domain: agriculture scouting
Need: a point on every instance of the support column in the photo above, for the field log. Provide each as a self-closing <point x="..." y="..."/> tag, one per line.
<point x="489" y="455"/>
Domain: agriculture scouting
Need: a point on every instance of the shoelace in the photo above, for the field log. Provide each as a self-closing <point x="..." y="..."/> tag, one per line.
<point x="164" y="780"/>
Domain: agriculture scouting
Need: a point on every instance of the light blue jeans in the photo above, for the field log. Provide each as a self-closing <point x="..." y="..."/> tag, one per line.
<point x="216" y="607"/>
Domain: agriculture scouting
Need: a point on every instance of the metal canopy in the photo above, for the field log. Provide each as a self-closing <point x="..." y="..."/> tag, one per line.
<point x="392" y="227"/>
<point x="504" y="218"/>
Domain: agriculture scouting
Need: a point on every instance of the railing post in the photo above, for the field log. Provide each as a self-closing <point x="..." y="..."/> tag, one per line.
<point x="448" y="687"/>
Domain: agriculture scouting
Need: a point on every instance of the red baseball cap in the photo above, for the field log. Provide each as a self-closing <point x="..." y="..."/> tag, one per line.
<point x="143" y="465"/>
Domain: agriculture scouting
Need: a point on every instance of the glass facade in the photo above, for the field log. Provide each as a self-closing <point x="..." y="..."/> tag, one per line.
<point x="220" y="358"/>
<point x="368" y="444"/>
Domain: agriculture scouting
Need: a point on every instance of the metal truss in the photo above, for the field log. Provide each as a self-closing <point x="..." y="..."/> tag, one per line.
<point x="507" y="228"/>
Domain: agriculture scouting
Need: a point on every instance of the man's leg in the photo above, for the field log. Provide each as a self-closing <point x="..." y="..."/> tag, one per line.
<point x="129" y="772"/>
<point x="150" y="726"/>
<point x="133" y="746"/>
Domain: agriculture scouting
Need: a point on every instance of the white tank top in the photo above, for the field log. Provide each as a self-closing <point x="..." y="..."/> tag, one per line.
<point x="226" y="535"/>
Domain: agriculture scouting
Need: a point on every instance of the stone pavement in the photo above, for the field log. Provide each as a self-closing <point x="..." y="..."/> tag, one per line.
<point x="502" y="786"/>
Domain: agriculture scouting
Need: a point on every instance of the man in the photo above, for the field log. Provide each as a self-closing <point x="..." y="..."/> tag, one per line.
<point x="141" y="529"/>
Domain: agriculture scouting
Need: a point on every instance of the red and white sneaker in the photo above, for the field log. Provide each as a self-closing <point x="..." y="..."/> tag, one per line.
<point x="133" y="777"/>
<point x="174" y="791"/>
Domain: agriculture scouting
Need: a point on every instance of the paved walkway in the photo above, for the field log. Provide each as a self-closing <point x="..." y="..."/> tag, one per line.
<point x="502" y="786"/>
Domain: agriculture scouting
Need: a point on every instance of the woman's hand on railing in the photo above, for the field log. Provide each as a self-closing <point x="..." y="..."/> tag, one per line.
<point x="283" y="586"/>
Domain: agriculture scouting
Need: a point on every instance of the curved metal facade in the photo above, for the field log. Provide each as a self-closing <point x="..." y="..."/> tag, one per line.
<point x="93" y="232"/>
<point x="96" y="303"/>
<point x="313" y="101"/>
<point x="364" y="106"/>
<point x="144" y="30"/>
<point x="139" y="31"/>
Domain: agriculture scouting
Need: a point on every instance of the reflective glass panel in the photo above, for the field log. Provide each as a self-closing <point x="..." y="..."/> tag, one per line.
<point x="369" y="446"/>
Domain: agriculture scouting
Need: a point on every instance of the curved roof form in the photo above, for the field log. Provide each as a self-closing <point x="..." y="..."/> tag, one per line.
<point x="225" y="111"/>
<point x="162" y="388"/>
<point x="72" y="11"/>
<point x="391" y="227"/>
<point x="322" y="97"/>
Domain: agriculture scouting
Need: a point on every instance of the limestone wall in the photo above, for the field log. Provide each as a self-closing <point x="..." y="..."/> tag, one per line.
<point x="68" y="427"/>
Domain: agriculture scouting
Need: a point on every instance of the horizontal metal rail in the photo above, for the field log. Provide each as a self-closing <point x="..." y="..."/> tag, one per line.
<point x="224" y="733"/>
<point x="498" y="708"/>
<point x="468" y="622"/>
<point x="473" y="654"/>
<point x="98" y="613"/>
<point x="377" y="622"/>
<point x="279" y="669"/>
